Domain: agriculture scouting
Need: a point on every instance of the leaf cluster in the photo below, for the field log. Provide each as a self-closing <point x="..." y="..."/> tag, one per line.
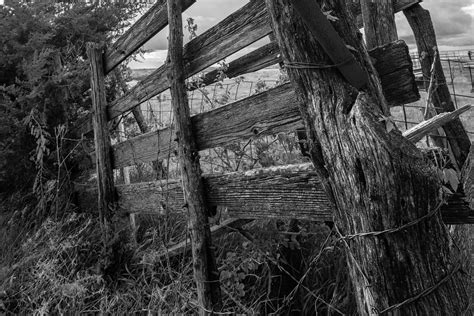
<point x="44" y="77"/>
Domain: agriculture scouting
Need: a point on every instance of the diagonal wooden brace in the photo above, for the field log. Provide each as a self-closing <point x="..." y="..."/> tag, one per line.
<point x="332" y="44"/>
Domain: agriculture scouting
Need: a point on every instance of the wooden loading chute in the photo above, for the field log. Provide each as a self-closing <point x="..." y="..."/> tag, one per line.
<point x="298" y="192"/>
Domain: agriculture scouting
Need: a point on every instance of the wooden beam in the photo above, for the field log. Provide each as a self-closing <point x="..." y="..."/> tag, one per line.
<point x="105" y="176"/>
<point x="425" y="37"/>
<point x="272" y="111"/>
<point x="419" y="131"/>
<point x="149" y="24"/>
<point x="206" y="274"/>
<point x="292" y="191"/>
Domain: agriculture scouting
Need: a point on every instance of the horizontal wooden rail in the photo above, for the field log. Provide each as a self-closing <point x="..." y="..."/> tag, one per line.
<point x="149" y="24"/>
<point x="292" y="191"/>
<point x="288" y="191"/>
<point x="272" y="111"/>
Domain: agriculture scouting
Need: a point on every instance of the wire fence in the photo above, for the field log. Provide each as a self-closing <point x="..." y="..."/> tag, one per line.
<point x="283" y="148"/>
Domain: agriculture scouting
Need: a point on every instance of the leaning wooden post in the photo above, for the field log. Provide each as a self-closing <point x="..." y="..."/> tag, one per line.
<point x="386" y="196"/>
<point x="425" y="36"/>
<point x="205" y="270"/>
<point x="105" y="177"/>
<point x="379" y="22"/>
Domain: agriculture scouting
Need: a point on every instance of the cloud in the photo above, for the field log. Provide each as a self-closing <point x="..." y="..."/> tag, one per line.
<point x="453" y="22"/>
<point x="206" y="13"/>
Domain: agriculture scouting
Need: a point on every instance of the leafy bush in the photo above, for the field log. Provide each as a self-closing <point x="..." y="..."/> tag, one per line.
<point x="44" y="77"/>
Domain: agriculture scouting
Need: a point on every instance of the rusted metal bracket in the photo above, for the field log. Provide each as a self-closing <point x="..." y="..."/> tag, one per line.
<point x="331" y="42"/>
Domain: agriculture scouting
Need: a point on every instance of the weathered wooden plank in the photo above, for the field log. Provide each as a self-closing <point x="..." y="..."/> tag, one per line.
<point x="292" y="191"/>
<point x="288" y="191"/>
<point x="269" y="112"/>
<point x="206" y="275"/>
<point x="105" y="176"/>
<point x="149" y="24"/>
<point x="419" y="131"/>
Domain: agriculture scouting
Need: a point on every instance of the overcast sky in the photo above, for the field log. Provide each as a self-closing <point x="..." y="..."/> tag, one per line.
<point x="453" y="20"/>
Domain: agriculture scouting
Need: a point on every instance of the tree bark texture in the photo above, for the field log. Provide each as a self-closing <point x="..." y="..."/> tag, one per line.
<point x="379" y="22"/>
<point x="377" y="179"/>
<point x="425" y="36"/>
<point x="105" y="176"/>
<point x="206" y="274"/>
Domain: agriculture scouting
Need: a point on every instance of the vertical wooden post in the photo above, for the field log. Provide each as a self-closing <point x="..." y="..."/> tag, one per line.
<point x="205" y="270"/>
<point x="379" y="22"/>
<point x="105" y="178"/>
<point x="386" y="195"/>
<point x="425" y="36"/>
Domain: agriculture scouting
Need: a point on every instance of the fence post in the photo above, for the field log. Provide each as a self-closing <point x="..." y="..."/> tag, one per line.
<point x="205" y="270"/>
<point x="378" y="180"/>
<point x="425" y="37"/>
<point x="105" y="178"/>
